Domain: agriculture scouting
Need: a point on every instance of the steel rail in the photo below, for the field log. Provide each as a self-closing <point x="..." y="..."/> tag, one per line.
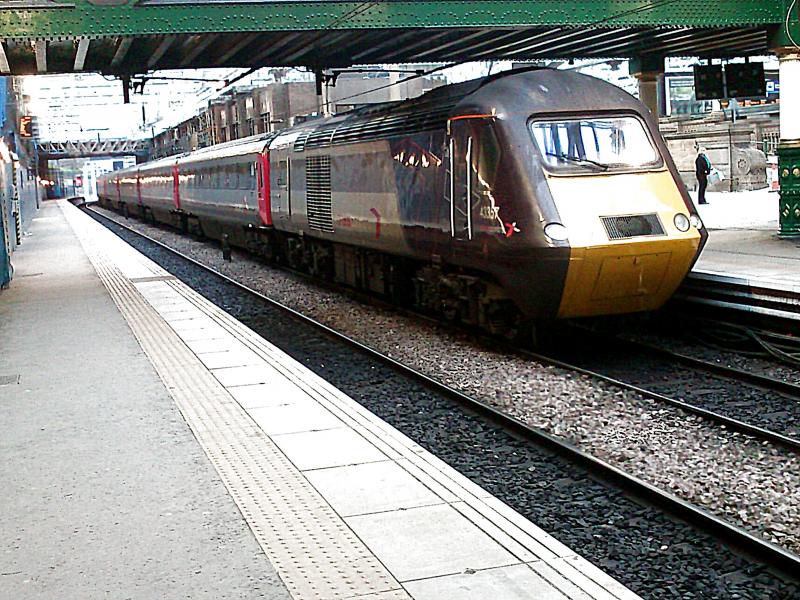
<point x="731" y="423"/>
<point x="755" y="379"/>
<point x="716" y="417"/>
<point x="737" y="538"/>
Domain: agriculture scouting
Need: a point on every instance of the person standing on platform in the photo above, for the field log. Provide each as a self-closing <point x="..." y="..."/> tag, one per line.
<point x="702" y="167"/>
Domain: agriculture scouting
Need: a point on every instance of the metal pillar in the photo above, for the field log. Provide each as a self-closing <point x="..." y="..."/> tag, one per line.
<point x="323" y="104"/>
<point x="5" y="261"/>
<point x="789" y="147"/>
<point x="5" y="223"/>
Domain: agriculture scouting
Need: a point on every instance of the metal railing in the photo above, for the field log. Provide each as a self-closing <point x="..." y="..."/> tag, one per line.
<point x="770" y="141"/>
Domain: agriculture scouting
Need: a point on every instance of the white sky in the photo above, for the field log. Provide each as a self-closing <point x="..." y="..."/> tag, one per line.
<point x="85" y="106"/>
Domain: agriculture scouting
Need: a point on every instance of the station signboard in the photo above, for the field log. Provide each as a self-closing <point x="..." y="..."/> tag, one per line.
<point x="773" y="88"/>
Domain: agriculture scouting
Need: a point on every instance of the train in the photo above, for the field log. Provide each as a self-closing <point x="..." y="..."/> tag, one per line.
<point x="523" y="197"/>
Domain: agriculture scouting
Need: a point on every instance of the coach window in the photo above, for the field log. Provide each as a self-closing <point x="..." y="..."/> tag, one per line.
<point x="235" y="184"/>
<point x="283" y="180"/>
<point x="245" y="176"/>
<point x="280" y="178"/>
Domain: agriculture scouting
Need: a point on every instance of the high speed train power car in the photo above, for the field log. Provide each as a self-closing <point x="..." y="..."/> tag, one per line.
<point x="527" y="195"/>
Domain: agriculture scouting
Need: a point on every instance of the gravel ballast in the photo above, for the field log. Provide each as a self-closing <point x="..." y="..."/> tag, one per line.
<point x="748" y="483"/>
<point x="652" y="371"/>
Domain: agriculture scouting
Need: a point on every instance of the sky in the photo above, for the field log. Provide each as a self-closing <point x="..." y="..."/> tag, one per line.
<point x="87" y="106"/>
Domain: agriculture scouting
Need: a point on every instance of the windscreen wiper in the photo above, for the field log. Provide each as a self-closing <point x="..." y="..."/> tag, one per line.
<point x="580" y="161"/>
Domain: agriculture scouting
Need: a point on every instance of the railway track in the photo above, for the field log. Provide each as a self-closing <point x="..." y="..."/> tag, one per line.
<point x="754" y="404"/>
<point x="743" y="541"/>
<point x="770" y="430"/>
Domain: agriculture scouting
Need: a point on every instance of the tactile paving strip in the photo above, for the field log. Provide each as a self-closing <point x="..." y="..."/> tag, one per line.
<point x="565" y="572"/>
<point x="313" y="550"/>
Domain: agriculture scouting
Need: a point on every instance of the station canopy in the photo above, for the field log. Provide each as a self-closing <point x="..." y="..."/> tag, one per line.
<point x="125" y="37"/>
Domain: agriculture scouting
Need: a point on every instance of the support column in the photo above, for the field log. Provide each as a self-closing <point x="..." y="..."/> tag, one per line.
<point x="789" y="147"/>
<point x="649" y="71"/>
<point x="5" y="229"/>
<point x="324" y="108"/>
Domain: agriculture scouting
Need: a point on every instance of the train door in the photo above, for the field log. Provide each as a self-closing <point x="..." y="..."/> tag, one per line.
<point x="460" y="148"/>
<point x="176" y="187"/>
<point x="262" y="179"/>
<point x="474" y="158"/>
<point x="138" y="188"/>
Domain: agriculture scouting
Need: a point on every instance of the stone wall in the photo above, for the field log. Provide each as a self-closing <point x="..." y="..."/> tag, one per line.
<point x="733" y="148"/>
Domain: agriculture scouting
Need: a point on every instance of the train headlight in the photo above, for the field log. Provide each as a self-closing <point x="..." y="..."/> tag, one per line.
<point x="681" y="222"/>
<point x="556" y="232"/>
<point x="696" y="222"/>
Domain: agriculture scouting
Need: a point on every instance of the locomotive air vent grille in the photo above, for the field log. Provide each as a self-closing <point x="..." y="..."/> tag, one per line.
<point x="391" y="126"/>
<point x="318" y="193"/>
<point x="300" y="142"/>
<point x="320" y="138"/>
<point x="628" y="226"/>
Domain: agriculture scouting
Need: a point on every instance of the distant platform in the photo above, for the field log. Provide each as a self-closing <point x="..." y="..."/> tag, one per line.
<point x="743" y="240"/>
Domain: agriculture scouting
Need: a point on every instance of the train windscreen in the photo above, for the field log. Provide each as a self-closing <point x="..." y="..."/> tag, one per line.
<point x="595" y="144"/>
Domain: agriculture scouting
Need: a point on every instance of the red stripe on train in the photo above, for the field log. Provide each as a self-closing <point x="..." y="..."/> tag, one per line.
<point x="264" y="208"/>
<point x="176" y="187"/>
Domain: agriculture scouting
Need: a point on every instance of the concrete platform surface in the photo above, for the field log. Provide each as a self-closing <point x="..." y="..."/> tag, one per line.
<point x="743" y="239"/>
<point x="752" y="254"/>
<point x="756" y="209"/>
<point x="105" y="491"/>
<point x="342" y="504"/>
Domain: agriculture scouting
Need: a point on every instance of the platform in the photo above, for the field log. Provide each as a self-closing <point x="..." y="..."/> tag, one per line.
<point x="743" y="242"/>
<point x="154" y="446"/>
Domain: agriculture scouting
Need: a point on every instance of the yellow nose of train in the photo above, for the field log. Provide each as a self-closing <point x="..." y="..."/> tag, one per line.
<point x="631" y="241"/>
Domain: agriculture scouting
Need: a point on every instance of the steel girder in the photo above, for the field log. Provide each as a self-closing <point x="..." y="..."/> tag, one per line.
<point x="56" y="150"/>
<point x="136" y="36"/>
<point x="32" y="19"/>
